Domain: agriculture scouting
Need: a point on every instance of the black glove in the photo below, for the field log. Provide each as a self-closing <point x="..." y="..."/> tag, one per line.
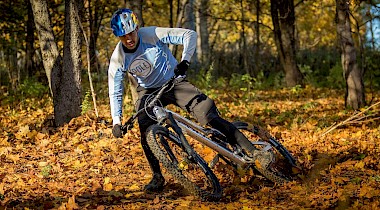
<point x="116" y="131"/>
<point x="181" y="68"/>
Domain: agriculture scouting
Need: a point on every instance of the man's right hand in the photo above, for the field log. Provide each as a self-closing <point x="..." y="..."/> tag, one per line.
<point x="116" y="131"/>
<point x="181" y="68"/>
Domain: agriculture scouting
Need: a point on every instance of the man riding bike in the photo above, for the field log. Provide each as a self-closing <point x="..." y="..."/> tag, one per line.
<point x="144" y="53"/>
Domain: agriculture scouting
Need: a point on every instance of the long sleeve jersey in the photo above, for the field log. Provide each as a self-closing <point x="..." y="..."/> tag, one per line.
<point x="152" y="64"/>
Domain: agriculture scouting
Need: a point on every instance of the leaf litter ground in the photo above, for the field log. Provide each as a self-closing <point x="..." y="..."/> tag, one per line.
<point x="81" y="166"/>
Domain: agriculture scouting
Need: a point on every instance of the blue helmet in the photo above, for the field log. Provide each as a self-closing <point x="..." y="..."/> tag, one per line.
<point x="123" y="21"/>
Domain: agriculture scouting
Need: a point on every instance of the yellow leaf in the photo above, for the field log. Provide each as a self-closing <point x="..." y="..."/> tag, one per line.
<point x="40" y="136"/>
<point x="32" y="134"/>
<point x="107" y="180"/>
<point x="42" y="164"/>
<point x="2" y="188"/>
<point x="128" y="195"/>
<point x="24" y="130"/>
<point x="360" y="165"/>
<point x="101" y="207"/>
<point x="14" y="158"/>
<point x="258" y="165"/>
<point x="230" y="206"/>
<point x="243" y="200"/>
<point x="134" y="187"/>
<point x="44" y="142"/>
<point x="5" y="150"/>
<point x="103" y="143"/>
<point x="71" y="203"/>
<point x="81" y="129"/>
<point x="77" y="164"/>
<point x="156" y="200"/>
<point x="20" y="182"/>
<point x="107" y="187"/>
<point x="19" y="136"/>
<point x="183" y="165"/>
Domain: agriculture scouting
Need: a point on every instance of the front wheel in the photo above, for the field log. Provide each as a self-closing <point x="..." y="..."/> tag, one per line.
<point x="191" y="171"/>
<point x="274" y="162"/>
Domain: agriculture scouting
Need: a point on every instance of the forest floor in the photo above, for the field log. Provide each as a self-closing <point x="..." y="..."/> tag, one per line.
<point x="81" y="166"/>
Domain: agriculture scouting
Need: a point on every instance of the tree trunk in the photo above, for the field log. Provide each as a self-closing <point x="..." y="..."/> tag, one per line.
<point x="171" y="13"/>
<point x="257" y="28"/>
<point x="95" y="16"/>
<point x="353" y="75"/>
<point x="202" y="29"/>
<point x="51" y="58"/>
<point x="68" y="99"/>
<point x="29" y="64"/>
<point x="283" y="18"/>
<point x="190" y="23"/>
<point x="12" y="68"/>
<point x="243" y="51"/>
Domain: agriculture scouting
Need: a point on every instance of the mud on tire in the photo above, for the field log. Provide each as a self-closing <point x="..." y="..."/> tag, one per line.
<point x="283" y="168"/>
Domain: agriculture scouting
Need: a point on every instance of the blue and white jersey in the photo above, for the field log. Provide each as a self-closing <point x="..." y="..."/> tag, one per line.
<point x="152" y="64"/>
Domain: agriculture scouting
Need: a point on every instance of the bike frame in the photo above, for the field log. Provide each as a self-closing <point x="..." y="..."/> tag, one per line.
<point x="200" y="134"/>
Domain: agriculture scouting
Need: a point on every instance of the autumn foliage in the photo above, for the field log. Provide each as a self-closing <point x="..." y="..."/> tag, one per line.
<point x="81" y="166"/>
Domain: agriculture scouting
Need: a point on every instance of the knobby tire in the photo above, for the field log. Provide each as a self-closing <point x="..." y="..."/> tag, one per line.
<point x="279" y="171"/>
<point x="164" y="144"/>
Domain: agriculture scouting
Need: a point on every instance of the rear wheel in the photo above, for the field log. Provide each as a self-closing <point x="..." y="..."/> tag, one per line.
<point x="273" y="160"/>
<point x="192" y="172"/>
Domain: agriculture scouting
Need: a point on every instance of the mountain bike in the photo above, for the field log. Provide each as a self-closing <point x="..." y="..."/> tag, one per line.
<point x="168" y="140"/>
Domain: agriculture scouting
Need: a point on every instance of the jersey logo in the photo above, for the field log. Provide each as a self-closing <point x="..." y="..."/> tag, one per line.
<point x="140" y="67"/>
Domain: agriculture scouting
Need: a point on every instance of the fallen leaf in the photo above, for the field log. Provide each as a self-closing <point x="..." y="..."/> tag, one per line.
<point x="134" y="187"/>
<point x="107" y="187"/>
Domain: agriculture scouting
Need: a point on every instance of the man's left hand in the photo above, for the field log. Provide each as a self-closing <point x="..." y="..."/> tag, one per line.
<point x="181" y="68"/>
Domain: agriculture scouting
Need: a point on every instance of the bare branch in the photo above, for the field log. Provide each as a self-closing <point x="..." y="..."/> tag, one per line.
<point x="356" y="118"/>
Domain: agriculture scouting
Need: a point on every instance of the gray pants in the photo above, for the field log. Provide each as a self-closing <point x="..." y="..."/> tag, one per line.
<point x="184" y="95"/>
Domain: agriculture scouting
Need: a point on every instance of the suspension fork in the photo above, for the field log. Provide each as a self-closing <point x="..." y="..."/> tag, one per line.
<point x="162" y="116"/>
<point x="170" y="121"/>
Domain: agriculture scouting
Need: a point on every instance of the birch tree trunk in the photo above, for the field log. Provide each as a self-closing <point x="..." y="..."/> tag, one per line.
<point x="353" y="74"/>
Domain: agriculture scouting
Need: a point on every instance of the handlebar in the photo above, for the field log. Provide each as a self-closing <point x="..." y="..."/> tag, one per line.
<point x="174" y="80"/>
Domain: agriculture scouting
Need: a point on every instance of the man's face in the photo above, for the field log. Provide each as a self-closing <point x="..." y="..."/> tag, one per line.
<point x="130" y="40"/>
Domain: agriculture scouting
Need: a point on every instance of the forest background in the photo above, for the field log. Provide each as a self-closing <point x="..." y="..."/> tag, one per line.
<point x="280" y="63"/>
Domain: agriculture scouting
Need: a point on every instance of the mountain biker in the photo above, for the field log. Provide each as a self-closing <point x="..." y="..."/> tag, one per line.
<point x="143" y="52"/>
